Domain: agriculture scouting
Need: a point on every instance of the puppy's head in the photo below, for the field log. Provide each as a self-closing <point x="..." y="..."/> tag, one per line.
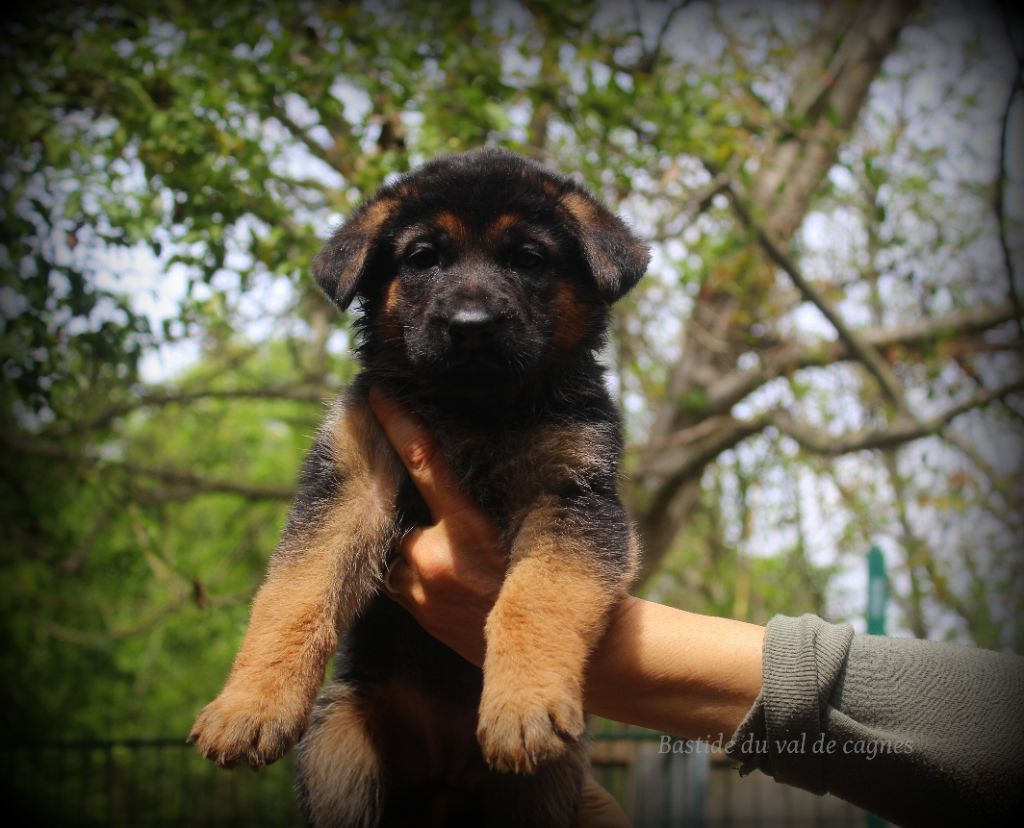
<point x="480" y="267"/>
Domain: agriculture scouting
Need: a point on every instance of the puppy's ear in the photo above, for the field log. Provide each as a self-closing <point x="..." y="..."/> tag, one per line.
<point x="341" y="266"/>
<point x="616" y="258"/>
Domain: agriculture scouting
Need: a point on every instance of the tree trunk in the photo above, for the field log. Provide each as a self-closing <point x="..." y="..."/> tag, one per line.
<point x="830" y="87"/>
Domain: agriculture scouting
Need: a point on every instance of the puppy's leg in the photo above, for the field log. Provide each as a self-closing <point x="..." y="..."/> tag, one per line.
<point x="326" y="567"/>
<point x="338" y="771"/>
<point x="551" y="610"/>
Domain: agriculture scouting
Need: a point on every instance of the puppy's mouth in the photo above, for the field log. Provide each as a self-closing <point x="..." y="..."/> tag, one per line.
<point x="472" y="349"/>
<point x="479" y="362"/>
<point x="475" y="341"/>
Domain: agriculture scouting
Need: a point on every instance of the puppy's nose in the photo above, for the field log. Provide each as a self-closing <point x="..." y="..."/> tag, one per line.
<point x="471" y="327"/>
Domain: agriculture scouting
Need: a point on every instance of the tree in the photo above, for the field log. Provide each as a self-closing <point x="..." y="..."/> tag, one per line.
<point x="825" y="354"/>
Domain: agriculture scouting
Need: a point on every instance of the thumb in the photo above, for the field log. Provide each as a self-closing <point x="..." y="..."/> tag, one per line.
<point x="419" y="453"/>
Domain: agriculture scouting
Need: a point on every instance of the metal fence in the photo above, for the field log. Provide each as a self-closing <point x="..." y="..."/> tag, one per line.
<point x="669" y="790"/>
<point x="141" y="782"/>
<point x="164" y="782"/>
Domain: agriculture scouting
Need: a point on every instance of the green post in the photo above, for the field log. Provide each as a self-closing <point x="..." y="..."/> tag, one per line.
<point x="878" y="592"/>
<point x="878" y="597"/>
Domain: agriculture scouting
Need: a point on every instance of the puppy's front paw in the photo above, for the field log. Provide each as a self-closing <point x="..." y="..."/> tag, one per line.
<point x="522" y="728"/>
<point x="246" y="728"/>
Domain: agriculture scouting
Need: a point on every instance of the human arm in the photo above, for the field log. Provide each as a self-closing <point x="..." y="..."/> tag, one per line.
<point x="945" y="721"/>
<point x="920" y="732"/>
<point x="679" y="672"/>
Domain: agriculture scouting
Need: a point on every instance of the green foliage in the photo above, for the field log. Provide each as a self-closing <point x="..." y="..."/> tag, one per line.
<point x="137" y="579"/>
<point x="201" y="152"/>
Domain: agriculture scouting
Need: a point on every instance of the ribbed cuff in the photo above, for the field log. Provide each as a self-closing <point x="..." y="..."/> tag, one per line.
<point x="802" y="660"/>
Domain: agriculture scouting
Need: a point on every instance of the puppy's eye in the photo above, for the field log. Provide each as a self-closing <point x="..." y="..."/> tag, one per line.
<point x="423" y="257"/>
<point x="526" y="258"/>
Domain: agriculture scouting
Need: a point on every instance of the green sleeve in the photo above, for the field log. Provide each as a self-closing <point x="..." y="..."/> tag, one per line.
<point x="919" y="732"/>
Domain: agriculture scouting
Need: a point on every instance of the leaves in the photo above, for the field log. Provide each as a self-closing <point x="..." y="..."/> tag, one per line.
<point x="169" y="173"/>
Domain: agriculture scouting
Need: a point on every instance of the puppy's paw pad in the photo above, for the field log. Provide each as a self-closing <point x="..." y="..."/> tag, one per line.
<point x="242" y="729"/>
<point x="517" y="736"/>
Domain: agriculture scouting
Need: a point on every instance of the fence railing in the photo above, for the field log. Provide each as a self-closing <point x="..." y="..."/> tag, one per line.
<point x="164" y="782"/>
<point x="142" y="782"/>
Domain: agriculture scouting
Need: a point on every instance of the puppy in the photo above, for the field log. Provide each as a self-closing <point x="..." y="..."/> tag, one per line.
<point x="484" y="283"/>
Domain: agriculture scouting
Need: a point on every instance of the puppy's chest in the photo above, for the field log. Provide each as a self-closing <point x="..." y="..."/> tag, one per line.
<point x="508" y="470"/>
<point x="494" y="468"/>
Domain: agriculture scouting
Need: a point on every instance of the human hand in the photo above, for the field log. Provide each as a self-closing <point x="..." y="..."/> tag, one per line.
<point x="448" y="574"/>
<point x="656" y="666"/>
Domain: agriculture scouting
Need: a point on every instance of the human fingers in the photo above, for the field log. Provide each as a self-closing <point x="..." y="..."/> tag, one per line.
<point x="418" y="452"/>
<point x="448" y="594"/>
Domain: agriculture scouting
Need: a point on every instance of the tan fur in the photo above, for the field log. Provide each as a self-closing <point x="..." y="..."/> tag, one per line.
<point x="567" y="452"/>
<point x="587" y="214"/>
<point x="554" y="455"/>
<point x="340" y="764"/>
<point x="453" y="226"/>
<point x="573" y="315"/>
<point x="316" y="584"/>
<point x="549" y="614"/>
<point x="377" y="212"/>
<point x="500" y="226"/>
<point x="389" y="330"/>
<point x="369" y="224"/>
<point x="583" y="209"/>
<point x="392" y="297"/>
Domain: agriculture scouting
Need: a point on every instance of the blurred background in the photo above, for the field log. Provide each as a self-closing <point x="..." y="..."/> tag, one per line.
<point x="824" y="358"/>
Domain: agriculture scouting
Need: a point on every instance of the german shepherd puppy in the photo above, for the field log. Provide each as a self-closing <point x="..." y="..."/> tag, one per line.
<point x="484" y="283"/>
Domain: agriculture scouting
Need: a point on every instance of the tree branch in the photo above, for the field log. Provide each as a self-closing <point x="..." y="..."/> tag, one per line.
<point x="1000" y="190"/>
<point x="651" y="57"/>
<point x="858" y="348"/>
<point x="197" y="484"/>
<point x="686" y="452"/>
<point x="854" y="38"/>
<point x="161" y="398"/>
<point x="92" y="638"/>
<point x="696" y="203"/>
<point x="792" y="167"/>
<point x="791" y="356"/>
<point x="903" y="431"/>
<point x="332" y="159"/>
